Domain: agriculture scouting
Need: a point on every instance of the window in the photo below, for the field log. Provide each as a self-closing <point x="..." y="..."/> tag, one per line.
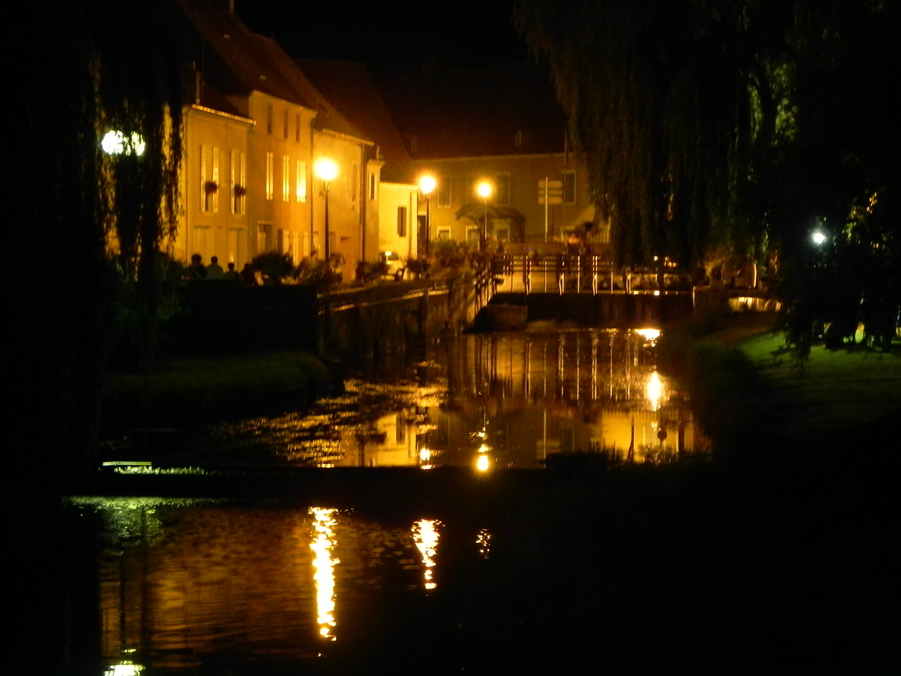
<point x="443" y="233"/>
<point x="270" y="178"/>
<point x="286" y="123"/>
<point x="209" y="179"/>
<point x="517" y="138"/>
<point x="215" y="179"/>
<point x="502" y="187"/>
<point x="373" y="186"/>
<point x="297" y="127"/>
<point x="569" y="187"/>
<point x="269" y="120"/>
<point x="300" y="188"/>
<point x="286" y="178"/>
<point x="263" y="237"/>
<point x="204" y="194"/>
<point x="444" y="191"/>
<point x="238" y="165"/>
<point x="401" y="221"/>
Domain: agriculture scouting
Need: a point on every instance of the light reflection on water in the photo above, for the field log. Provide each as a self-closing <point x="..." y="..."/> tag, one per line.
<point x="529" y="395"/>
<point x="184" y="580"/>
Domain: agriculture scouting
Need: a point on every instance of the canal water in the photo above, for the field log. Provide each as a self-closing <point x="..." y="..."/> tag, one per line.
<point x="281" y="586"/>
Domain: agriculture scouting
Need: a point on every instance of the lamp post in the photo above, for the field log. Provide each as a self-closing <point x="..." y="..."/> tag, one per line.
<point x="426" y="186"/>
<point x="484" y="190"/>
<point x="326" y="169"/>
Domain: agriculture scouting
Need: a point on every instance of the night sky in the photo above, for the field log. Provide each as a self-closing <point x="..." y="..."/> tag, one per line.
<point x="392" y="38"/>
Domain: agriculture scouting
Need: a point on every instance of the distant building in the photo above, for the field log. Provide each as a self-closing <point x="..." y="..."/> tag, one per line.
<point x="252" y="137"/>
<point x="501" y="124"/>
<point x="392" y="181"/>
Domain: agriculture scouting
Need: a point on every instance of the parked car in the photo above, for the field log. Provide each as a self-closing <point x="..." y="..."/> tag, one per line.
<point x="396" y="265"/>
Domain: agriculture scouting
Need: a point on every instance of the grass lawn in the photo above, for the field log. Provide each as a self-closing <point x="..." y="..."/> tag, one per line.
<point x="835" y="390"/>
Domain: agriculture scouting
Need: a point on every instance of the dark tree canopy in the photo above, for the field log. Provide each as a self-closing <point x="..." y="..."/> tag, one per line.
<point x="81" y="67"/>
<point x="724" y="125"/>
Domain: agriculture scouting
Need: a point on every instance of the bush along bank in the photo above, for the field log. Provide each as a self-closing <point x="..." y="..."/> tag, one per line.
<point x="727" y="394"/>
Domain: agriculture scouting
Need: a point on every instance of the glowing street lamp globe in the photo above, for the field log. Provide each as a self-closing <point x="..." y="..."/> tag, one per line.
<point x="325" y="169"/>
<point x="427" y="184"/>
<point x="484" y="189"/>
<point x="818" y="237"/>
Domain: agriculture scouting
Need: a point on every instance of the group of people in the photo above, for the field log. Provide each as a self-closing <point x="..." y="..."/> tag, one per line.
<point x="214" y="272"/>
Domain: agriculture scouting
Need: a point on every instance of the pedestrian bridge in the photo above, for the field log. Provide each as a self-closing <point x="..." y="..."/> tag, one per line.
<point x="580" y="288"/>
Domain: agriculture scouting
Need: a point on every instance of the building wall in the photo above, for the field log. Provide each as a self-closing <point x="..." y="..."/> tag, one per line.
<point x="346" y="199"/>
<point x="280" y="184"/>
<point x="516" y="181"/>
<point x="391" y="235"/>
<point x="214" y="223"/>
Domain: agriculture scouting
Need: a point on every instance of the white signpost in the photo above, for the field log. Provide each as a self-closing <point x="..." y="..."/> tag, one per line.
<point x="549" y="192"/>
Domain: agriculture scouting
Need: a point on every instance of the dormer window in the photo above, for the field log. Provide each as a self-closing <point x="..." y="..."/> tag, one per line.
<point x="517" y="138"/>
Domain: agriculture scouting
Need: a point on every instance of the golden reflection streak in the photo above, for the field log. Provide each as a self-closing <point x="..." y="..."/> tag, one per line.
<point x="124" y="669"/>
<point x="483" y="540"/>
<point x="324" y="577"/>
<point x="483" y="463"/>
<point x="654" y="390"/>
<point x="650" y="335"/>
<point x="425" y="535"/>
<point x="425" y="458"/>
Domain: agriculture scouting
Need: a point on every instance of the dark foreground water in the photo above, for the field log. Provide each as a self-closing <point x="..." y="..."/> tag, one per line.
<point x="283" y="585"/>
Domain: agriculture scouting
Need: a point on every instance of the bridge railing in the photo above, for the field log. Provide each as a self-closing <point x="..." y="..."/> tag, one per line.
<point x="588" y="273"/>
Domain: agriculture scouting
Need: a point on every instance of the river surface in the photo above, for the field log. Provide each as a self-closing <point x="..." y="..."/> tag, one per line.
<point x="280" y="586"/>
<point x="514" y="398"/>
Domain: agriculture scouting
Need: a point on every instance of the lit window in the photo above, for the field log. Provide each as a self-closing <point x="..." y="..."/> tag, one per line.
<point x="204" y="194"/>
<point x="215" y="188"/>
<point x="270" y="179"/>
<point x="401" y="221"/>
<point x="286" y="178"/>
<point x="300" y="189"/>
<point x="238" y="181"/>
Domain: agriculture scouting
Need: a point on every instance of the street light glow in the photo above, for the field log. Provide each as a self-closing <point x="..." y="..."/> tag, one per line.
<point x="117" y="143"/>
<point x="427" y="184"/>
<point x="818" y="237"/>
<point x="325" y="169"/>
<point x="484" y="189"/>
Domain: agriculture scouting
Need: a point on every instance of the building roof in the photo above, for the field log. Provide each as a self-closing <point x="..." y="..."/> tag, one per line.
<point x="348" y="85"/>
<point x="236" y="61"/>
<point x="477" y="112"/>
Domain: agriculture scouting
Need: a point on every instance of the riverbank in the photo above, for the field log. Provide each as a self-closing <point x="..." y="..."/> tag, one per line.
<point x="186" y="393"/>
<point x="775" y="561"/>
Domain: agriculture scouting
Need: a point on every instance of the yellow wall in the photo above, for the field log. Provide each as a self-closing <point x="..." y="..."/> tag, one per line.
<point x="279" y="218"/>
<point x="525" y="172"/>
<point x="347" y="197"/>
<point x="394" y="195"/>
<point x="209" y="224"/>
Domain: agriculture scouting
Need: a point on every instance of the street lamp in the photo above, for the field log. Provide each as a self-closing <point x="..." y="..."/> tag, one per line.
<point x="484" y="190"/>
<point x="326" y="169"/>
<point x="426" y="186"/>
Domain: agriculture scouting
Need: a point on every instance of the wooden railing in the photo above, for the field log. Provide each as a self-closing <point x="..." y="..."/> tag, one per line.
<point x="588" y="273"/>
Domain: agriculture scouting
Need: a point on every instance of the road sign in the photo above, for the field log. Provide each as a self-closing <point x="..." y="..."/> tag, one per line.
<point x="550" y="192"/>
